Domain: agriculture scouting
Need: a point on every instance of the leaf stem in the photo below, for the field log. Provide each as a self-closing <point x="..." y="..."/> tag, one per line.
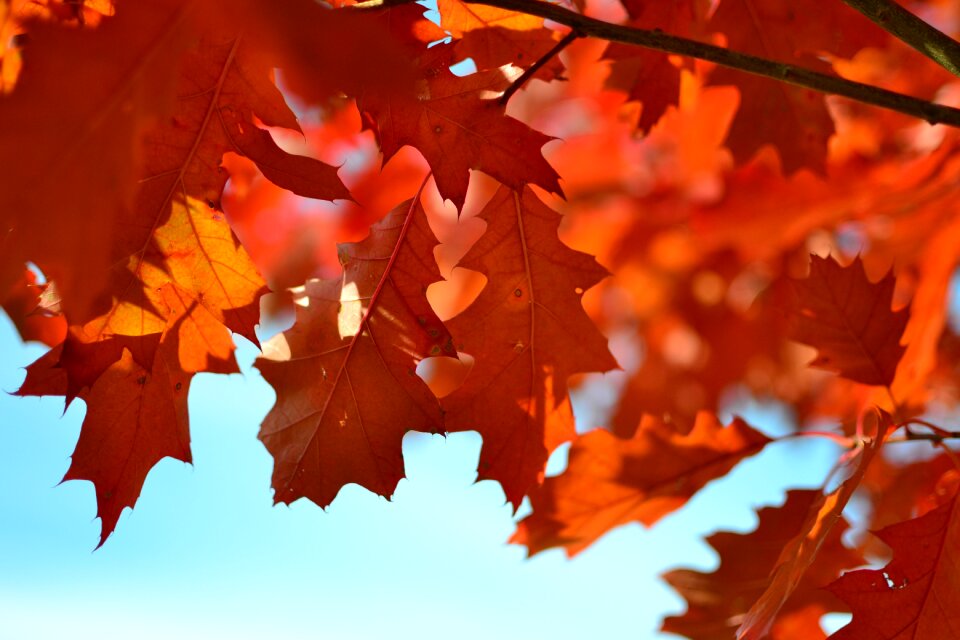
<point x="844" y="441"/>
<point x="852" y="442"/>
<point x="908" y="28"/>
<point x="544" y="59"/>
<point x="933" y="427"/>
<point x="659" y="41"/>
<point x="935" y="438"/>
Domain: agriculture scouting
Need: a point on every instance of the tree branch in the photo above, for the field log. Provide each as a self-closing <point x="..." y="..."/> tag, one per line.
<point x="907" y="27"/>
<point x="936" y="438"/>
<point x="657" y="40"/>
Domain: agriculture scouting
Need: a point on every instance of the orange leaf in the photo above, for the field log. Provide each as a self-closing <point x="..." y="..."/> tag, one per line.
<point x="793" y="119"/>
<point x="324" y="53"/>
<point x="848" y="320"/>
<point x="24" y="304"/>
<point x="529" y="333"/>
<point x="493" y="37"/>
<point x="345" y="374"/>
<point x="646" y="75"/>
<point x="917" y="595"/>
<point x="83" y="129"/>
<point x="203" y="343"/>
<point x="716" y="601"/>
<point x="196" y="251"/>
<point x="610" y="481"/>
<point x="458" y="125"/>
<point x="135" y="418"/>
<point x="799" y="553"/>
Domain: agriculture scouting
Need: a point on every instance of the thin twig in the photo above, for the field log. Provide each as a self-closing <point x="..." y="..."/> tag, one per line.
<point x="844" y="441"/>
<point x="657" y="40"/>
<point x="908" y="28"/>
<point x="544" y="59"/>
<point x="935" y="438"/>
<point x="946" y="433"/>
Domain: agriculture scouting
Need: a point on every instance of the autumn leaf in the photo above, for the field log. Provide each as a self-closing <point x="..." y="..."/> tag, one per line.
<point x="650" y="76"/>
<point x="84" y="139"/>
<point x="33" y="317"/>
<point x="203" y="343"/>
<point x="126" y="132"/>
<point x="529" y="334"/>
<point x="458" y="124"/>
<point x="173" y="234"/>
<point x="716" y="601"/>
<point x="610" y="481"/>
<point x="802" y="550"/>
<point x="901" y="492"/>
<point x="793" y="119"/>
<point x="324" y="53"/>
<point x="848" y="320"/>
<point x="224" y="90"/>
<point x="345" y="374"/>
<point x="135" y="418"/>
<point x="917" y="594"/>
<point x="194" y="251"/>
<point x="493" y="37"/>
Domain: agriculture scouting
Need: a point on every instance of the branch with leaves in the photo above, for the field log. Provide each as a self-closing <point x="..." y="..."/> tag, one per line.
<point x="902" y="24"/>
<point x="695" y="224"/>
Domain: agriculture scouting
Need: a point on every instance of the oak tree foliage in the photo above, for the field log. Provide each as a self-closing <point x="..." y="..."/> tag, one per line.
<point x="475" y="210"/>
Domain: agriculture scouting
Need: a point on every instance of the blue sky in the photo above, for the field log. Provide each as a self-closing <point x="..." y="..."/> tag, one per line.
<point x="206" y="555"/>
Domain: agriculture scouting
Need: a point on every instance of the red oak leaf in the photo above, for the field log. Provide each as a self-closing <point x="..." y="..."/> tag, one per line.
<point x="372" y="50"/>
<point x="24" y="303"/>
<point x="529" y="333"/>
<point x="917" y="595"/>
<point x="610" y="481"/>
<point x="716" y="601"/>
<point x="801" y="551"/>
<point x="135" y="418"/>
<point x="848" y="320"/>
<point x="646" y="75"/>
<point x="458" y="124"/>
<point x="345" y="374"/>
<point x="195" y="251"/>
<point x="173" y="234"/>
<point x="493" y="37"/>
<point x="793" y="119"/>
<point x="83" y="125"/>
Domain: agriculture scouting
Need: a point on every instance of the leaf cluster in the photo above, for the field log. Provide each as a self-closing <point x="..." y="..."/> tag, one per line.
<point x="477" y="215"/>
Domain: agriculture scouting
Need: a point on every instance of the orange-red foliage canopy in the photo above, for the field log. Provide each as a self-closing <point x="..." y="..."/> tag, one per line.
<point x="472" y="213"/>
